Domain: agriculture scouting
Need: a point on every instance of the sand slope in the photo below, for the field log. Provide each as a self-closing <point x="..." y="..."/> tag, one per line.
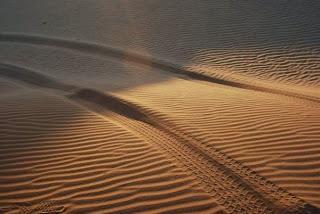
<point x="54" y="150"/>
<point x="159" y="107"/>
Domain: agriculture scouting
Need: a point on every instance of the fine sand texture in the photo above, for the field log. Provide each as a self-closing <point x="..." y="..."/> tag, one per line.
<point x="159" y="106"/>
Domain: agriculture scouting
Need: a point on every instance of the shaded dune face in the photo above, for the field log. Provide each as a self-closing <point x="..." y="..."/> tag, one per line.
<point x="159" y="107"/>
<point x="277" y="41"/>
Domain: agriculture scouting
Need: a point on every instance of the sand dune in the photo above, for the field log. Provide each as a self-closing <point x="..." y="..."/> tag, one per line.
<point x="159" y="107"/>
<point x="55" y="150"/>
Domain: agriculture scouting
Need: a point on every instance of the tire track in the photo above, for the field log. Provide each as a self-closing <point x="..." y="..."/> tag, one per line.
<point x="236" y="187"/>
<point x="218" y="174"/>
<point x="131" y="57"/>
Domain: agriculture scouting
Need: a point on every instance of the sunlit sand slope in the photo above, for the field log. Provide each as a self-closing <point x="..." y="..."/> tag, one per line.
<point x="169" y="118"/>
<point x="276" y="136"/>
<point x="53" y="150"/>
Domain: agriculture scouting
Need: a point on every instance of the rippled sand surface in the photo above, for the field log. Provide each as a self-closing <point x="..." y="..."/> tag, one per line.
<point x="159" y="106"/>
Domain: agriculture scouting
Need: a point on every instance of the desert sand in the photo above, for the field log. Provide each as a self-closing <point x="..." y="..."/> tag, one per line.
<point x="159" y="106"/>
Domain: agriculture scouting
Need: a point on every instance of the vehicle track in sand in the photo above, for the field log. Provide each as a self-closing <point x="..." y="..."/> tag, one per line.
<point x="104" y="51"/>
<point x="234" y="186"/>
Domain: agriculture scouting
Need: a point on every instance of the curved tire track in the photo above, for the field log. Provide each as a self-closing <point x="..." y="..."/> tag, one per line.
<point x="101" y="50"/>
<point x="236" y="187"/>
